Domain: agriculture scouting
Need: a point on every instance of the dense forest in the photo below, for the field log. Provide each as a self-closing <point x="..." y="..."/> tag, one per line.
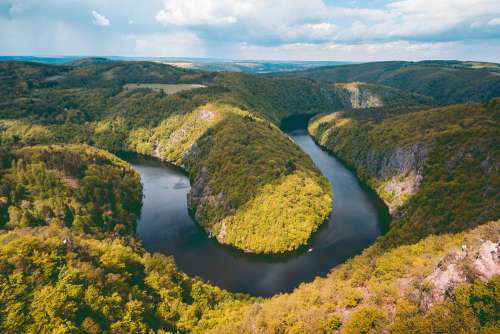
<point x="422" y="164"/>
<point x="444" y="81"/>
<point x="76" y="186"/>
<point x="88" y="104"/>
<point x="71" y="262"/>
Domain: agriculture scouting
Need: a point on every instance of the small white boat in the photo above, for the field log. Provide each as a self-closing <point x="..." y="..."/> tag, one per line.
<point x="310" y="250"/>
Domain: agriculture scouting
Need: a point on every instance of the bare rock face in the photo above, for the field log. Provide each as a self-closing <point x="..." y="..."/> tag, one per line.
<point x="206" y="115"/>
<point x="487" y="260"/>
<point x="401" y="172"/>
<point x="482" y="262"/>
<point x="445" y="278"/>
<point x="199" y="188"/>
<point x="190" y="155"/>
<point x="201" y="198"/>
<point x="221" y="236"/>
<point x="400" y="188"/>
<point x="398" y="161"/>
<point x="357" y="96"/>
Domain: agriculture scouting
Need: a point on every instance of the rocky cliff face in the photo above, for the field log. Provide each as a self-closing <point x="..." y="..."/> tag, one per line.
<point x="478" y="261"/>
<point x="395" y="173"/>
<point x="356" y="95"/>
<point x="201" y="197"/>
<point x="400" y="171"/>
<point x="179" y="140"/>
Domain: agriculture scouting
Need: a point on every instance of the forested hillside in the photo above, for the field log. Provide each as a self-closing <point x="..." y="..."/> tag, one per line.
<point x="437" y="169"/>
<point x="72" y="263"/>
<point x="282" y="97"/>
<point x="77" y="186"/>
<point x="440" y="284"/>
<point x="89" y="103"/>
<point x="445" y="82"/>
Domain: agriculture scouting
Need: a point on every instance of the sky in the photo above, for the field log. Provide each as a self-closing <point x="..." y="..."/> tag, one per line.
<point x="345" y="30"/>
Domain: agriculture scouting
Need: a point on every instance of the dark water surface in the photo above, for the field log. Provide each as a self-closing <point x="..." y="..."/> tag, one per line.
<point x="166" y="227"/>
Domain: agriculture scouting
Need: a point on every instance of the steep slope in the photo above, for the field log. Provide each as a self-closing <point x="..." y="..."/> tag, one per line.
<point x="69" y="257"/>
<point x="282" y="97"/>
<point x="73" y="185"/>
<point x="57" y="281"/>
<point x="442" y="284"/>
<point x="238" y="161"/>
<point x="445" y="82"/>
<point x="437" y="169"/>
<point x="245" y="174"/>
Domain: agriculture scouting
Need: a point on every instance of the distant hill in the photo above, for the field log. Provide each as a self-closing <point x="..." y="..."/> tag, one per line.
<point x="46" y="60"/>
<point x="90" y="61"/>
<point x="206" y="64"/>
<point x="55" y="89"/>
<point x="444" y="81"/>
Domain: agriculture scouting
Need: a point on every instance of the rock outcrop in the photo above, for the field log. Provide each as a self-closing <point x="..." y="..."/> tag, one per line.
<point x="201" y="197"/>
<point x="400" y="171"/>
<point x="357" y="95"/>
<point x="480" y="262"/>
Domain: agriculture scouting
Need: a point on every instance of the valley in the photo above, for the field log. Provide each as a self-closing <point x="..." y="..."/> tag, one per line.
<point x="165" y="226"/>
<point x="236" y="196"/>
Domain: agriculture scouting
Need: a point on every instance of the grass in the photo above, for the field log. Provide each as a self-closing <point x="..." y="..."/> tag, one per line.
<point x="166" y="88"/>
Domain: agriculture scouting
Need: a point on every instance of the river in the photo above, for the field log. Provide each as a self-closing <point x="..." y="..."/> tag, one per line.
<point x="166" y="227"/>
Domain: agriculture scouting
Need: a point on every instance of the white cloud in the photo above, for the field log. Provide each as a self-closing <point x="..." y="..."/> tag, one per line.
<point x="420" y="20"/>
<point x="203" y="12"/>
<point x="321" y="30"/>
<point x="353" y="52"/>
<point x="219" y="27"/>
<point x="311" y="31"/>
<point x="312" y="20"/>
<point x="494" y="22"/>
<point x="421" y="17"/>
<point x="177" y="44"/>
<point x="259" y="12"/>
<point x="100" y="20"/>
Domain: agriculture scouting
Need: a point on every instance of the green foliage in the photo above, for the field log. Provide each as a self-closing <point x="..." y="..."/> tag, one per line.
<point x="249" y="178"/>
<point x="366" y="320"/>
<point x="472" y="309"/>
<point x="269" y="196"/>
<point x="166" y="88"/>
<point x="86" y="285"/>
<point x="278" y="98"/>
<point x="446" y="83"/>
<point x="281" y="217"/>
<point x="86" y="271"/>
<point x="71" y="185"/>
<point x="89" y="103"/>
<point x="19" y="132"/>
<point x="456" y="149"/>
<point x="59" y="94"/>
<point x="176" y="135"/>
<point x="387" y="287"/>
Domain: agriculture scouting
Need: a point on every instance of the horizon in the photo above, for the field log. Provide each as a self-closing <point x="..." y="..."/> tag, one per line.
<point x="299" y="30"/>
<point x="221" y="60"/>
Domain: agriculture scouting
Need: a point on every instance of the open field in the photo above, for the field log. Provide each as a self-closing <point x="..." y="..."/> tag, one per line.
<point x="167" y="88"/>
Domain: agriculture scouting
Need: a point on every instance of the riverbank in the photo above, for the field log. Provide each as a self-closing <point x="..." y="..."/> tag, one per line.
<point x="166" y="227"/>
